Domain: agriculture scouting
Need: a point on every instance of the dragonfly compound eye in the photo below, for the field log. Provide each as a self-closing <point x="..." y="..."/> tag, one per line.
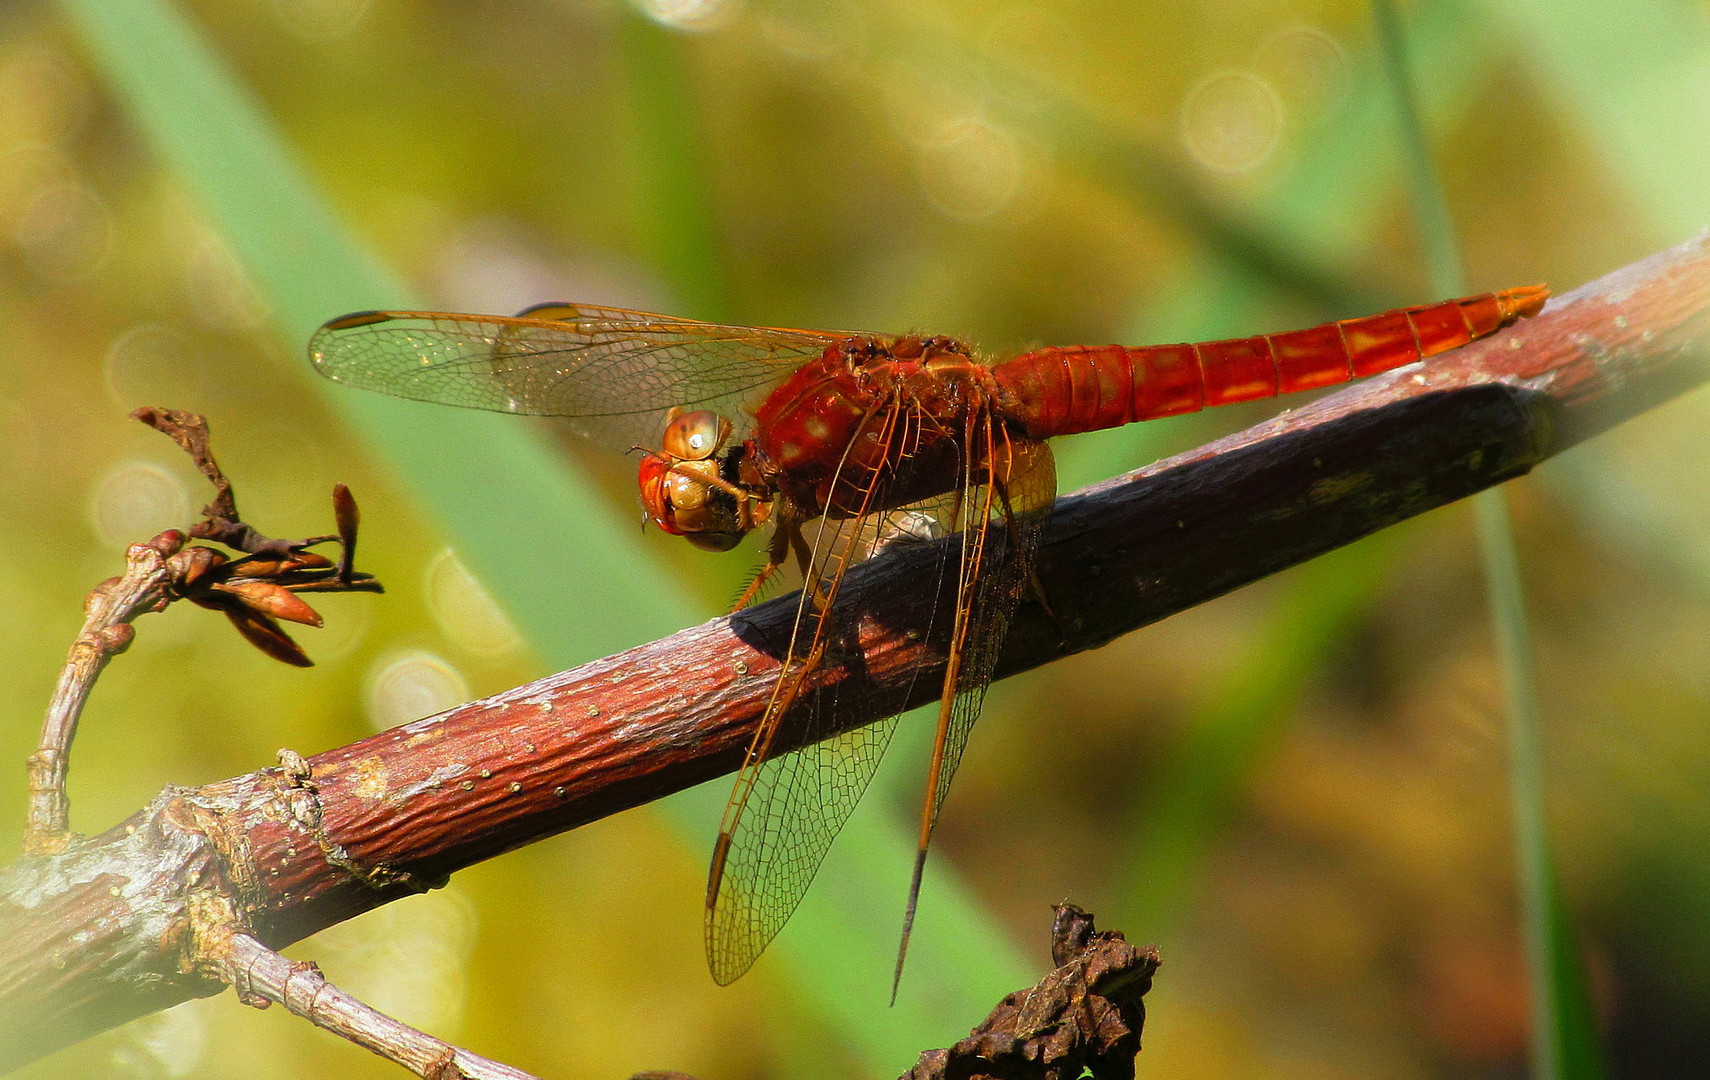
<point x="696" y="435"/>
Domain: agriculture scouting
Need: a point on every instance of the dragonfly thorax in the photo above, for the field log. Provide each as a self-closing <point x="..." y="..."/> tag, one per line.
<point x="691" y="486"/>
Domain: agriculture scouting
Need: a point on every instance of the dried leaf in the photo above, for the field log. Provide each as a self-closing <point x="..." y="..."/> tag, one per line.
<point x="348" y="516"/>
<point x="1084" y="1017"/>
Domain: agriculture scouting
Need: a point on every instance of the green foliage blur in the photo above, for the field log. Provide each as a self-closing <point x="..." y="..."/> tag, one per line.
<point x="1298" y="791"/>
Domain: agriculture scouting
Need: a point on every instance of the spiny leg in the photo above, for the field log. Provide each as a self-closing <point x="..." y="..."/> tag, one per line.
<point x="785" y="532"/>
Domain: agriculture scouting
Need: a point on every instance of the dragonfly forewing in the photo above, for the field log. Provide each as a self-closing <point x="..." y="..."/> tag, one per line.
<point x="614" y="373"/>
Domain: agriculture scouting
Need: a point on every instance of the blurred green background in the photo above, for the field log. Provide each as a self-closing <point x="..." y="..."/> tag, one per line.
<point x="1298" y="791"/>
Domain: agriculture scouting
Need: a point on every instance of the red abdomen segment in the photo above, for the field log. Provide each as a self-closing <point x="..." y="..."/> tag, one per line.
<point x="1062" y="390"/>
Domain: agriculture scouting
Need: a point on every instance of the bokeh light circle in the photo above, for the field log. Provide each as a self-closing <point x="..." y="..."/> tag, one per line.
<point x="321" y="20"/>
<point x="971" y="170"/>
<point x="43" y="95"/>
<point x="66" y="231"/>
<point x="134" y="501"/>
<point x="407" y="959"/>
<point x="155" y="364"/>
<point x="813" y="31"/>
<point x="1232" y="122"/>
<point x="695" y="15"/>
<point x="170" y="1043"/>
<point x="410" y="684"/>
<point x="465" y="610"/>
<point x="1306" y="66"/>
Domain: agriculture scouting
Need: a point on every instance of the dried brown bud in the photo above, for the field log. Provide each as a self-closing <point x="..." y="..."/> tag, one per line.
<point x="348" y="516"/>
<point x="261" y="584"/>
<point x="168" y="542"/>
<point x="275" y="565"/>
<point x="271" y="599"/>
<point x="192" y="564"/>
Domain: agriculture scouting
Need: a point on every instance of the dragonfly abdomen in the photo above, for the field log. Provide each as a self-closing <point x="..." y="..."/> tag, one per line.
<point x="1066" y="389"/>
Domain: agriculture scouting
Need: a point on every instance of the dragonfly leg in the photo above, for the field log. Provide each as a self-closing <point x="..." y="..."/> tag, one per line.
<point x="812" y="583"/>
<point x="1035" y="587"/>
<point x="776" y="548"/>
<point x="786" y="539"/>
<point x="687" y="468"/>
<point x="751" y="510"/>
<point x="754" y="586"/>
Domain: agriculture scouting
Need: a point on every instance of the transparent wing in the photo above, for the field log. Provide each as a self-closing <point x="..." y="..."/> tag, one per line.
<point x="786" y="809"/>
<point x="611" y="371"/>
<point x="1002" y="525"/>
<point x="1001" y="521"/>
<point x="796" y="805"/>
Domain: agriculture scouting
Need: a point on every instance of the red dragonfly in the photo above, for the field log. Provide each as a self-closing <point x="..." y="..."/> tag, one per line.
<point x="845" y="442"/>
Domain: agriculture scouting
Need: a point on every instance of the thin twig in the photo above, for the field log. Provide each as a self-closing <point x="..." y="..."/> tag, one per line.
<point x="145" y="586"/>
<point x="206" y="873"/>
<point x="262" y="976"/>
<point x="254" y="592"/>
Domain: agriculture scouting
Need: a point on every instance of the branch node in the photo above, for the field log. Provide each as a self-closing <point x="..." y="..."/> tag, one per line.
<point x="240" y="882"/>
<point x="301" y="796"/>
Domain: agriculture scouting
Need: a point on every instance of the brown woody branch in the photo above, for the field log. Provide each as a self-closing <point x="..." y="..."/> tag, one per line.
<point x="405" y="808"/>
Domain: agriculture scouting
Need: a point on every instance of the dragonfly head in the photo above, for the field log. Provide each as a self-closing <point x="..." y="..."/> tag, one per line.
<point x="684" y="487"/>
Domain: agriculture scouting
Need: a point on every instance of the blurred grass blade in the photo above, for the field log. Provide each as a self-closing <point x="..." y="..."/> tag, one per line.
<point x="1102" y="142"/>
<point x="1330" y="200"/>
<point x="1425" y="187"/>
<point x="1565" y="1041"/>
<point x="676" y="198"/>
<point x="540" y="532"/>
<point x="1327" y="201"/>
<point x="1564" y="1038"/>
<point x="1632" y="82"/>
<point x="1224" y="740"/>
